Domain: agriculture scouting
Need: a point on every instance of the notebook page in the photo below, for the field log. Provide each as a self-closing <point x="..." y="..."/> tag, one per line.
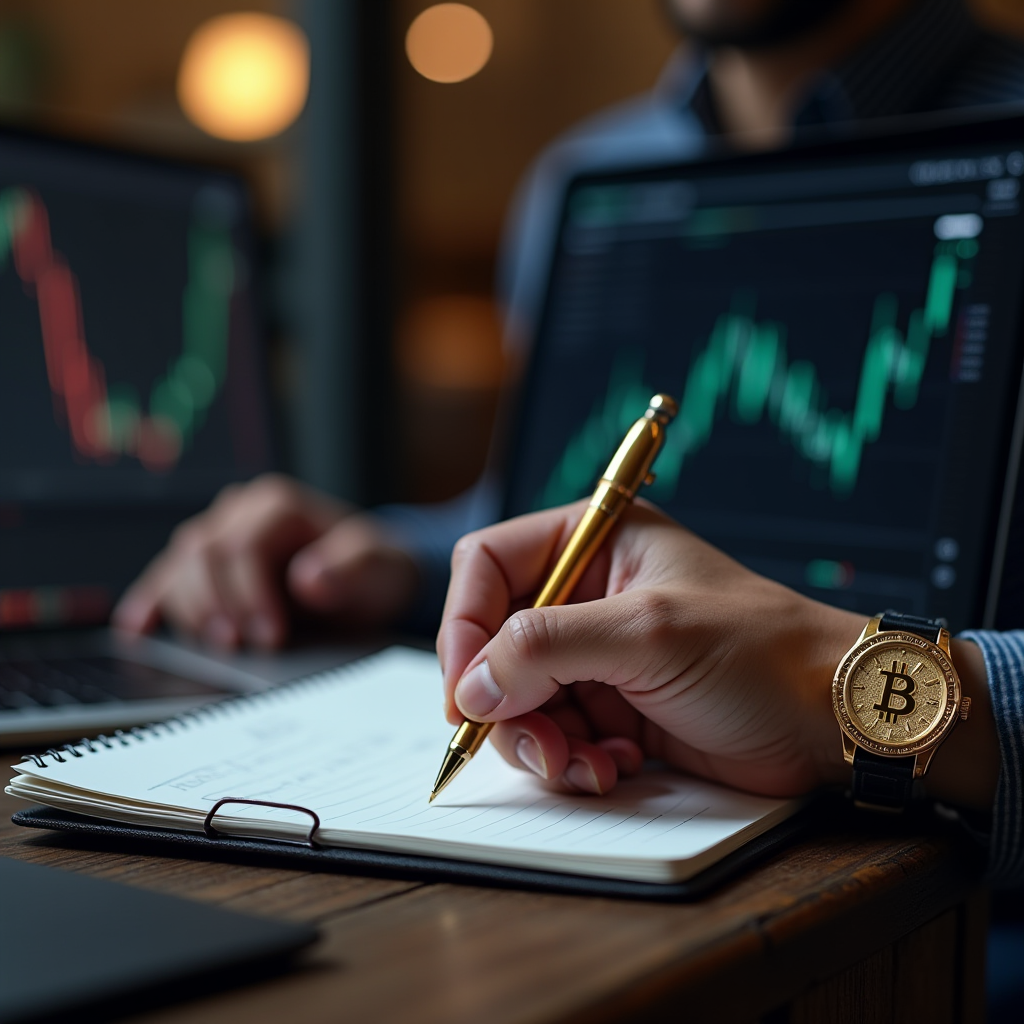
<point x="361" y="747"/>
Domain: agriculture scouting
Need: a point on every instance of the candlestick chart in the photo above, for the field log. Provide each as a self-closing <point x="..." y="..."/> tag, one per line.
<point x="107" y="419"/>
<point x="742" y="370"/>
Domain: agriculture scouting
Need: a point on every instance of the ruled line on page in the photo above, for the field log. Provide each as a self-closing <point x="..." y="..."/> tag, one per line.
<point x="526" y="808"/>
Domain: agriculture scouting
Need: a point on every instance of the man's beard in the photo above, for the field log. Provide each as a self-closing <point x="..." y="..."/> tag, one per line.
<point x="784" y="22"/>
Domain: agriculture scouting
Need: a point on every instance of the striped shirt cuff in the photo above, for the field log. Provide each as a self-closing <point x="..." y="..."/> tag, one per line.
<point x="1004" y="663"/>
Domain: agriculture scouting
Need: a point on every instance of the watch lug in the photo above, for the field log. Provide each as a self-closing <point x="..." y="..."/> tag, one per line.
<point x="849" y="748"/>
<point x="922" y="761"/>
<point x="944" y="642"/>
<point x="870" y="629"/>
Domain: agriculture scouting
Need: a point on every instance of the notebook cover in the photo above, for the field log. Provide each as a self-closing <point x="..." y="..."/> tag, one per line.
<point x="72" y="945"/>
<point x="347" y="860"/>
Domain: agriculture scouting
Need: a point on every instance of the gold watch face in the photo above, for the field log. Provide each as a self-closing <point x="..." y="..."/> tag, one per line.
<point x="896" y="693"/>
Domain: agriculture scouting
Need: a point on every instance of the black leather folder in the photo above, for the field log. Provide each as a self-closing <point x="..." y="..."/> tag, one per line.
<point x="347" y="860"/>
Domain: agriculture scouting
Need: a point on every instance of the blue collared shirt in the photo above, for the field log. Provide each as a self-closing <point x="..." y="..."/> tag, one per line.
<point x="1004" y="664"/>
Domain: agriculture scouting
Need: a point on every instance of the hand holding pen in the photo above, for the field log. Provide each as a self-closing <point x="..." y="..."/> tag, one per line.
<point x="671" y="651"/>
<point x="628" y="471"/>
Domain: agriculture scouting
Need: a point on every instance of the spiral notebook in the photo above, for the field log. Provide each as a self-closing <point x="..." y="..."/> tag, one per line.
<point x="345" y="759"/>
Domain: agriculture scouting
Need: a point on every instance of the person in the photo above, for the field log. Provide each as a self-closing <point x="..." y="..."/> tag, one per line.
<point x="684" y="655"/>
<point x="753" y="72"/>
<point x="671" y="650"/>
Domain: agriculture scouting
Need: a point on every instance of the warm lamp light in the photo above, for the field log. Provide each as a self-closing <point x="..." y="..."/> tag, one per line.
<point x="244" y="76"/>
<point x="449" y="42"/>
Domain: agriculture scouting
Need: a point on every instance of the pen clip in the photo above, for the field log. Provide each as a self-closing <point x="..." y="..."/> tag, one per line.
<point x="212" y="833"/>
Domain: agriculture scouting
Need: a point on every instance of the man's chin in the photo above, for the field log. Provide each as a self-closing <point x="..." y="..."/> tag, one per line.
<point x="783" y="22"/>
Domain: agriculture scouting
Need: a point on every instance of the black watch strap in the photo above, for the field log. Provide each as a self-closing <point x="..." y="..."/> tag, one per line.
<point x="928" y="628"/>
<point x="888" y="781"/>
<point x="882" y="781"/>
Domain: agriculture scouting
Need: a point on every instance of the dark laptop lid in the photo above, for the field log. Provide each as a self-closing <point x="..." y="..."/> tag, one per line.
<point x="131" y="384"/>
<point x="841" y="324"/>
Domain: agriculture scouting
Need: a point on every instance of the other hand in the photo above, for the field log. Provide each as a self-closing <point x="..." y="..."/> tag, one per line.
<point x="229" y="574"/>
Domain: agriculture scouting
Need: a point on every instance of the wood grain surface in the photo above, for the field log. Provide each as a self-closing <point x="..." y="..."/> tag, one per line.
<point x="834" y="928"/>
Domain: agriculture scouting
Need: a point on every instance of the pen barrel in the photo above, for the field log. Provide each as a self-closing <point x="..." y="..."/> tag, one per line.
<point x="628" y="471"/>
<point x="578" y="554"/>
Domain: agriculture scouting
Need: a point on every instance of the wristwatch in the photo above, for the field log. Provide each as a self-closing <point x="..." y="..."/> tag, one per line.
<point x="896" y="696"/>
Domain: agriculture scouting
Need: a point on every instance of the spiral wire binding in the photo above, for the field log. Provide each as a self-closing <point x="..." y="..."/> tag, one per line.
<point x="187" y="719"/>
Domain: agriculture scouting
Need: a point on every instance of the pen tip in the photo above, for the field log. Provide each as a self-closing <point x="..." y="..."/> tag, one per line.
<point x="432" y="795"/>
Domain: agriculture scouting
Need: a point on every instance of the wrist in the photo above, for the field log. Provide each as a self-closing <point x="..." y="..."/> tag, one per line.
<point x="832" y="633"/>
<point x="965" y="768"/>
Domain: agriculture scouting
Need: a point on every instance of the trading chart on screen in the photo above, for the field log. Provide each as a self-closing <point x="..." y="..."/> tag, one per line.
<point x="131" y="383"/>
<point x="125" y="323"/>
<point x="840" y="338"/>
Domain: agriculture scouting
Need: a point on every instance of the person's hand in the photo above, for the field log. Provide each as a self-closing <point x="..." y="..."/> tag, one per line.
<point x="229" y="574"/>
<point x="670" y="650"/>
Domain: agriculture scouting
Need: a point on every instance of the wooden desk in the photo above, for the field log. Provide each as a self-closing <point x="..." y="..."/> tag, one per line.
<point x="839" y="927"/>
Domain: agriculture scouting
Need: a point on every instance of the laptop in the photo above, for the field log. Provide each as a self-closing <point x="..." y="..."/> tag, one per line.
<point x="132" y="389"/>
<point x="841" y="324"/>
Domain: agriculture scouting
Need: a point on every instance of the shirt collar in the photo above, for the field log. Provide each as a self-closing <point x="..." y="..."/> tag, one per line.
<point x="893" y="74"/>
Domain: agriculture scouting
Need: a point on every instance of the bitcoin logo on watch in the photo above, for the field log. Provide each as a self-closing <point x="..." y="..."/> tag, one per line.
<point x="888" y="712"/>
<point x="894" y="694"/>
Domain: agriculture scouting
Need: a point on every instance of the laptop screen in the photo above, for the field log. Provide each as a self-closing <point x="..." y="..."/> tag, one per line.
<point x="841" y="326"/>
<point x="130" y="370"/>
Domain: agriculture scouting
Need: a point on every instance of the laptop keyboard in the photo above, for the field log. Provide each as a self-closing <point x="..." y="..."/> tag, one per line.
<point x="50" y="682"/>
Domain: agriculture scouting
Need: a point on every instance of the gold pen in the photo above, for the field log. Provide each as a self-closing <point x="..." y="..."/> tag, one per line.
<point x="628" y="471"/>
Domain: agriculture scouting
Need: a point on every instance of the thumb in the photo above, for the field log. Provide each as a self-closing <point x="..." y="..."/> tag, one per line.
<point x="540" y="649"/>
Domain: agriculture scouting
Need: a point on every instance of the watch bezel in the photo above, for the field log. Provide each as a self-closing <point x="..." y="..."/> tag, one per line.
<point x="936" y="733"/>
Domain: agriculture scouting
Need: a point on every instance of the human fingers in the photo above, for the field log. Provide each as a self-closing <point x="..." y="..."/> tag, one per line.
<point x="138" y="610"/>
<point x="254" y="598"/>
<point x="220" y="574"/>
<point x="492" y="570"/>
<point x="620" y="640"/>
<point x="196" y="604"/>
<point x="186" y="592"/>
<point x="533" y="742"/>
<point x="567" y="763"/>
<point x="251" y="535"/>
<point x="355" y="569"/>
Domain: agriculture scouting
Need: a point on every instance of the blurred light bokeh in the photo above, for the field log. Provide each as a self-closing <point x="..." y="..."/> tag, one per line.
<point x="449" y="42"/>
<point x="244" y="76"/>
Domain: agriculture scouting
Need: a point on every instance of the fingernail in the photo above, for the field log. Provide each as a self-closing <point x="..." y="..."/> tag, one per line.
<point x="579" y="774"/>
<point x="477" y="693"/>
<point x="528" y="751"/>
<point x="260" y="631"/>
<point x="220" y="632"/>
